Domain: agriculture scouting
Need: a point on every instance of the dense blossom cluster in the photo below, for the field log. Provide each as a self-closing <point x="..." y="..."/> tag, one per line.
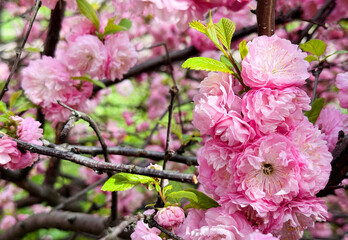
<point x="265" y="161"/>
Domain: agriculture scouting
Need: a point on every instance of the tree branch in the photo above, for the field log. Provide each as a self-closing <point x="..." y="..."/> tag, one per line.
<point x="265" y="12"/>
<point x="78" y="222"/>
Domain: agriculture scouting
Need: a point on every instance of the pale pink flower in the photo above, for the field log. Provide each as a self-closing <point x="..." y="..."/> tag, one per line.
<point x="8" y="152"/>
<point x="275" y="110"/>
<point x="128" y="117"/>
<point x="129" y="201"/>
<point x="269" y="169"/>
<point x="143" y="232"/>
<point x="217" y="223"/>
<point x="330" y="122"/>
<point x="257" y="235"/>
<point x="28" y="130"/>
<point x="275" y="63"/>
<point x="7" y="222"/>
<point x="45" y="81"/>
<point x="219" y="84"/>
<point x="121" y="55"/>
<point x="300" y="214"/>
<point x="156" y="104"/>
<point x="170" y="217"/>
<point x="125" y="88"/>
<point x="86" y="55"/>
<point x="192" y="221"/>
<point x="142" y="127"/>
<point x="316" y="170"/>
<point x="321" y="230"/>
<point x="75" y="26"/>
<point x="4" y="71"/>
<point x="342" y="85"/>
<point x="233" y="130"/>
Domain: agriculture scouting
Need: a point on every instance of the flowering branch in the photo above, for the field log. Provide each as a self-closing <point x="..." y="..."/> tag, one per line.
<point x="19" y="52"/>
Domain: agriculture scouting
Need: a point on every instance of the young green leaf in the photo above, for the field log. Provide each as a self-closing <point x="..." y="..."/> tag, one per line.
<point x="125" y="181"/>
<point x="118" y="183"/>
<point x="3" y="107"/>
<point x="343" y="23"/>
<point x="227" y="62"/>
<point x="87" y="10"/>
<point x="32" y="49"/>
<point x="314" y="46"/>
<point x="125" y="23"/>
<point x="176" y="197"/>
<point x="197" y="25"/>
<point x="225" y="29"/>
<point x="311" y="58"/>
<point x="206" y="64"/>
<point x="243" y="50"/>
<point x="88" y="79"/>
<point x="313" y="114"/>
<point x="187" y="137"/>
<point x="204" y="202"/>
<point x="13" y="98"/>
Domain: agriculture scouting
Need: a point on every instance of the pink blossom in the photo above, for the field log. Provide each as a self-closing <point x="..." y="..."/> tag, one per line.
<point x="128" y="118"/>
<point x="275" y="110"/>
<point x="219" y="84"/>
<point x="86" y="55"/>
<point x="330" y="122"/>
<point x="125" y="88"/>
<point x="342" y="85"/>
<point x="129" y="201"/>
<point x="269" y="169"/>
<point x="121" y="55"/>
<point x="45" y="81"/>
<point x="8" y="152"/>
<point x="142" y="127"/>
<point x="76" y="26"/>
<point x="143" y="232"/>
<point x="316" y="170"/>
<point x="233" y="130"/>
<point x="4" y="71"/>
<point x="170" y="217"/>
<point x="321" y="230"/>
<point x="257" y="235"/>
<point x="275" y="63"/>
<point x="217" y="223"/>
<point x="28" y="130"/>
<point x="7" y="222"/>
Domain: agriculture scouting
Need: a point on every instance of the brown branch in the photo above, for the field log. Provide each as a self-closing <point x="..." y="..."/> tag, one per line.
<point x="319" y="18"/>
<point x="54" y="27"/>
<point x="78" y="222"/>
<point x="105" y="166"/>
<point x="265" y="12"/>
<point x="131" y="152"/>
<point x="19" y="52"/>
<point x="339" y="165"/>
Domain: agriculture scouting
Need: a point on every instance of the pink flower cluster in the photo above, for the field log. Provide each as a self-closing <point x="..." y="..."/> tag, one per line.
<point x="49" y="79"/>
<point x="27" y="130"/>
<point x="265" y="161"/>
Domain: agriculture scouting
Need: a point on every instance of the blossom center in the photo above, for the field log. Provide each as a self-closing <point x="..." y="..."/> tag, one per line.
<point x="267" y="169"/>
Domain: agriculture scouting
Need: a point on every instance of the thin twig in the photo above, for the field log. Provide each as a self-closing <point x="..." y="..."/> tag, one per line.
<point x="316" y="74"/>
<point x="19" y="52"/>
<point x="70" y="123"/>
<point x="93" y="125"/>
<point x="152" y="223"/>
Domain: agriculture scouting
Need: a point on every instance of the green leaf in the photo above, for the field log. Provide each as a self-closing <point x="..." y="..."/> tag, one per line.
<point x="204" y="202"/>
<point x="225" y="29"/>
<point x="23" y="107"/>
<point x="343" y="23"/>
<point x="227" y="62"/>
<point x="243" y="49"/>
<point x="125" y="181"/>
<point x="313" y="114"/>
<point x="186" y="138"/>
<point x="314" y="46"/>
<point x="3" y="107"/>
<point x="87" y="10"/>
<point x="158" y="187"/>
<point x="4" y="118"/>
<point x="311" y="58"/>
<point x="111" y="28"/>
<point x="32" y="49"/>
<point x="88" y="79"/>
<point x="335" y="53"/>
<point x="13" y="98"/>
<point x="206" y="64"/>
<point x="176" y="197"/>
<point x="166" y="189"/>
<point x="125" y="23"/>
<point x="197" y="25"/>
<point x="212" y="33"/>
<point x="117" y="183"/>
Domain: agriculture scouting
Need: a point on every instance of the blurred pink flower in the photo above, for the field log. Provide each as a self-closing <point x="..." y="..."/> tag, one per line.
<point x="330" y="122"/>
<point x="121" y="55"/>
<point x="342" y="85"/>
<point x="275" y="63"/>
<point x="128" y="117"/>
<point x="143" y="232"/>
<point x="7" y="222"/>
